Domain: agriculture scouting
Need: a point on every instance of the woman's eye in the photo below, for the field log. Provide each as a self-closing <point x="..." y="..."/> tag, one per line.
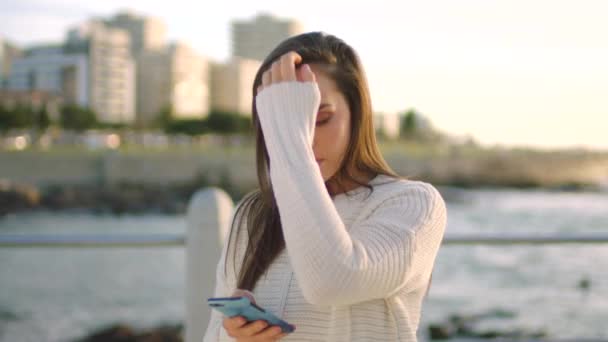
<point x="322" y="122"/>
<point x="327" y="116"/>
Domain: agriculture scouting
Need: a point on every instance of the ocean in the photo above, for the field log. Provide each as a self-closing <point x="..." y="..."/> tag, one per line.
<point x="59" y="294"/>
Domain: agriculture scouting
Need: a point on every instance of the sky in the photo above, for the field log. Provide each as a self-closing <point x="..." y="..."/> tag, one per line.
<point x="531" y="73"/>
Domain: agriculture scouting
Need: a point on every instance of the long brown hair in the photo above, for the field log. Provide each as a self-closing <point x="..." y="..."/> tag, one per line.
<point x="341" y="63"/>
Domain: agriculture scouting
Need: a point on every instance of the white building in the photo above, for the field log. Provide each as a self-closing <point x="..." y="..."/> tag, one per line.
<point x="254" y="39"/>
<point x="232" y="85"/>
<point x="175" y="76"/>
<point x="111" y="69"/>
<point x="8" y="53"/>
<point x="146" y="33"/>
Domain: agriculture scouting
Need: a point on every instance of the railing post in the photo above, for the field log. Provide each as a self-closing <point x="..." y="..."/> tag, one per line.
<point x="208" y="219"/>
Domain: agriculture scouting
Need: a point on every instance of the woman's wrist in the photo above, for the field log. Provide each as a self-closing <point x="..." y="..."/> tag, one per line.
<point x="287" y="113"/>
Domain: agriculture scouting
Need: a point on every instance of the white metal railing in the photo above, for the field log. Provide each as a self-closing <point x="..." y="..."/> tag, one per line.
<point x="208" y="216"/>
<point x="92" y="240"/>
<point x="172" y="240"/>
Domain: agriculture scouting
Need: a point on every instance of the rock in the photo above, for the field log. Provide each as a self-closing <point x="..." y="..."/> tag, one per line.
<point x="442" y="331"/>
<point x="584" y="284"/>
<point x="463" y="326"/>
<point x="124" y="333"/>
<point x="163" y="334"/>
<point x="115" y="333"/>
<point x="17" y="197"/>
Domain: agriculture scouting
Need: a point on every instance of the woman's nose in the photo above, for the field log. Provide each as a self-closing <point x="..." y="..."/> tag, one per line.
<point x="315" y="141"/>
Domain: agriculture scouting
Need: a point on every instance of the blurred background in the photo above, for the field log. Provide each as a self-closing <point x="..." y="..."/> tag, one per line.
<point x="112" y="116"/>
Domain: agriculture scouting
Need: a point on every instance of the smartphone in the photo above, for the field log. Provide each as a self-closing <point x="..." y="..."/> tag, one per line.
<point x="242" y="306"/>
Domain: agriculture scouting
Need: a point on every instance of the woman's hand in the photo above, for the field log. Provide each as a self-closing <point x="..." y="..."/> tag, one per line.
<point x="287" y="104"/>
<point x="256" y="331"/>
<point x="284" y="70"/>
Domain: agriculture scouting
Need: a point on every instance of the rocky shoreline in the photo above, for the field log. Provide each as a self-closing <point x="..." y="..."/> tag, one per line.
<point x="146" y="198"/>
<point x="124" y="333"/>
<point x="456" y="326"/>
<point x="97" y="199"/>
<point x="163" y="181"/>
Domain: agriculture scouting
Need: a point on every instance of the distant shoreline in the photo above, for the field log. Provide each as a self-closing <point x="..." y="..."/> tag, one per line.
<point x="145" y="199"/>
<point x="143" y="181"/>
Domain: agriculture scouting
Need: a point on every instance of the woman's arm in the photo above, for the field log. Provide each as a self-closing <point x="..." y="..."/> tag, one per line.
<point x="392" y="250"/>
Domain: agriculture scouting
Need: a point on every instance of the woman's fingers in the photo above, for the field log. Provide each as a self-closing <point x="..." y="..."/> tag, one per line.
<point x="247" y="330"/>
<point x="306" y="74"/>
<point x="275" y="72"/>
<point x="284" y="70"/>
<point x="271" y="334"/>
<point x="243" y="293"/>
<point x="259" y="330"/>
<point x="288" y="66"/>
<point x="252" y="328"/>
<point x="233" y="323"/>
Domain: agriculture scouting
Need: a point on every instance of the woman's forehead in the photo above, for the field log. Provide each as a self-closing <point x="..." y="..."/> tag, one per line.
<point x="327" y="85"/>
<point x="330" y="93"/>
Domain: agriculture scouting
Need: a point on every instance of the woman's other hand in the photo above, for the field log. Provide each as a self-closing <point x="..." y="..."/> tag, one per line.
<point x="256" y="331"/>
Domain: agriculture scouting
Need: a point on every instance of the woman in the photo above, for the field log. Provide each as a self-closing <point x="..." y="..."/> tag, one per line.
<point x="333" y="241"/>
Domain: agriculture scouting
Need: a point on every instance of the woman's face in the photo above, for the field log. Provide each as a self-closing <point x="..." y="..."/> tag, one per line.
<point x="332" y="130"/>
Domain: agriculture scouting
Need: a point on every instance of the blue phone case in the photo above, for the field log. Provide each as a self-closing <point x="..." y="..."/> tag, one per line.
<point x="242" y="306"/>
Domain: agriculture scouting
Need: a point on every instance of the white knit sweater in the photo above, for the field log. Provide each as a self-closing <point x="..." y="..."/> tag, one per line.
<point x="355" y="268"/>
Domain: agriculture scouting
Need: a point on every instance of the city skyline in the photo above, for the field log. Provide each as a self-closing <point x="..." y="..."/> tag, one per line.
<point x="514" y="73"/>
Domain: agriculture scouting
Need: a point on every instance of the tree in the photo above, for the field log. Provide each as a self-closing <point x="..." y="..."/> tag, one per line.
<point x="43" y="120"/>
<point x="186" y="126"/>
<point x="164" y="117"/>
<point x="228" y="122"/>
<point x="414" y="126"/>
<point x="217" y="121"/>
<point x="23" y="116"/>
<point x="408" y="124"/>
<point x="77" y="118"/>
<point x="5" y="118"/>
<point x="20" y="116"/>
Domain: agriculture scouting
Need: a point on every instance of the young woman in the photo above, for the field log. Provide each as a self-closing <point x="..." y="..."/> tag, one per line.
<point x="333" y="241"/>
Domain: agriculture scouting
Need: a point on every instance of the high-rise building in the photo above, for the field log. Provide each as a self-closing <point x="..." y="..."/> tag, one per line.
<point x="231" y="85"/>
<point x="254" y="39"/>
<point x="147" y="33"/>
<point x="111" y="69"/>
<point x="175" y="76"/>
<point x="166" y="75"/>
<point x="8" y="53"/>
<point x="48" y="68"/>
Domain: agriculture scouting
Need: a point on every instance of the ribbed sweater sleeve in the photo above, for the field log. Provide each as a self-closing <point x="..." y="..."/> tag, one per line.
<point x="334" y="264"/>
